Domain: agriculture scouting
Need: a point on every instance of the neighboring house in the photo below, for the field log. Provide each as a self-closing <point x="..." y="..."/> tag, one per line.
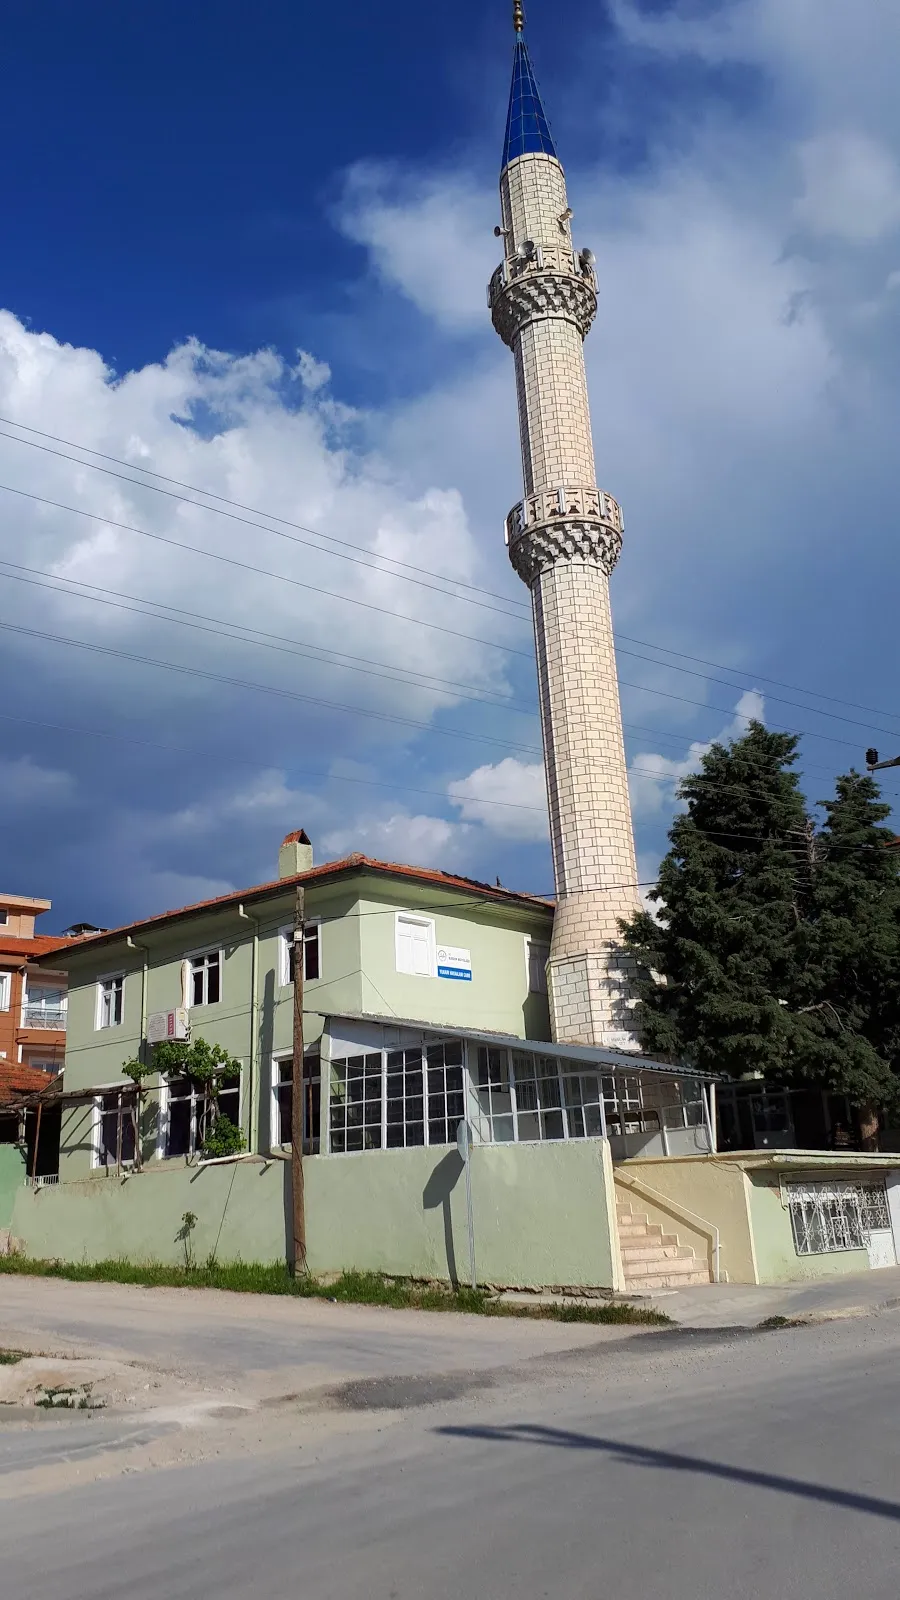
<point x="32" y="999"/>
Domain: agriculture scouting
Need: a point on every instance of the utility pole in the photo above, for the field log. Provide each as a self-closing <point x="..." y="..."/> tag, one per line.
<point x="874" y="765"/>
<point x="298" y="1201"/>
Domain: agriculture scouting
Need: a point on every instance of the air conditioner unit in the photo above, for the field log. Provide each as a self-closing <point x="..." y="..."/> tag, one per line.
<point x="167" y="1025"/>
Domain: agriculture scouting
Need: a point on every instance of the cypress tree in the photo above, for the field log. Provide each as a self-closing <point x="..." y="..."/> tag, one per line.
<point x="732" y="892"/>
<point x="848" y="1034"/>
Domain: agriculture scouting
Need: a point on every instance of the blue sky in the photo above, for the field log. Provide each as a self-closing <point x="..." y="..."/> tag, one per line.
<point x="246" y="247"/>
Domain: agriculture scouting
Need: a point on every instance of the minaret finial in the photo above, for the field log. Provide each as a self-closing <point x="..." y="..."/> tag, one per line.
<point x="518" y="15"/>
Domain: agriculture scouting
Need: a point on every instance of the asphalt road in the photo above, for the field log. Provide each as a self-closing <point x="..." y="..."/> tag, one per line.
<point x="671" y="1467"/>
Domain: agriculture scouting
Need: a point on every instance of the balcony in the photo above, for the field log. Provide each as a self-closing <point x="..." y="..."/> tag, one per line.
<point x="44" y="1017"/>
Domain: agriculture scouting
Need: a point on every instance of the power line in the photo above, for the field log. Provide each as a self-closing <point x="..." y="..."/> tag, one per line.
<point x="358" y="560"/>
<point x="265" y="688"/>
<point x="304" y="651"/>
<point x="506" y="600"/>
<point x="262" y="572"/>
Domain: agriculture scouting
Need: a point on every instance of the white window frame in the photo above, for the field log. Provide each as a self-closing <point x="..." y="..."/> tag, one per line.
<point x="102" y="981"/>
<point x="286" y="940"/>
<point x="411" y="917"/>
<point x="123" y="1094"/>
<point x="162" y="1128"/>
<point x="204" y="955"/>
<point x="532" y="944"/>
<point x="278" y="1061"/>
<point x="425" y="1067"/>
<point x="5" y="990"/>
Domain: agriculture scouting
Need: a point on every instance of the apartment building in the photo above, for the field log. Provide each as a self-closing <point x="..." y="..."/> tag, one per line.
<point x="33" y="1000"/>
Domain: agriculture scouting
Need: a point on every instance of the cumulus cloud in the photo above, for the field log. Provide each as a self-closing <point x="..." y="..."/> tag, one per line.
<point x="653" y="779"/>
<point x="509" y="798"/>
<point x="415" y="841"/>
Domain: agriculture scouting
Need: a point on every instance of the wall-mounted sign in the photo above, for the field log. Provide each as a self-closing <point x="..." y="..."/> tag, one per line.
<point x="454" y="963"/>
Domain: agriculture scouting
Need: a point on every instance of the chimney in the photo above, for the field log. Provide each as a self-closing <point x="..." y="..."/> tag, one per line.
<point x="295" y="855"/>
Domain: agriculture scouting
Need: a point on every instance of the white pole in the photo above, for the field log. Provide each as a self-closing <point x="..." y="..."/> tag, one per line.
<point x="464" y="1146"/>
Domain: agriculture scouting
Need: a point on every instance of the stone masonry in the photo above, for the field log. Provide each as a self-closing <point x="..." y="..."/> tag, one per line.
<point x="564" y="539"/>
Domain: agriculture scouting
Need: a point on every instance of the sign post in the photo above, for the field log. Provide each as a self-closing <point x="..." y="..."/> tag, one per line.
<point x="464" y="1146"/>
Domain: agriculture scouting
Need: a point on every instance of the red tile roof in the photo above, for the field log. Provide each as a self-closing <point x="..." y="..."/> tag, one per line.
<point x="16" y="1079"/>
<point x="38" y="945"/>
<point x="330" y="869"/>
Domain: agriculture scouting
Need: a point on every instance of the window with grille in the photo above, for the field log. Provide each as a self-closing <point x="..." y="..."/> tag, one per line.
<point x="839" y="1216"/>
<point x="115" y="1140"/>
<point x="189" y="1112"/>
<point x="110" y="1001"/>
<point x="282" y="1093"/>
<point x="206" y="979"/>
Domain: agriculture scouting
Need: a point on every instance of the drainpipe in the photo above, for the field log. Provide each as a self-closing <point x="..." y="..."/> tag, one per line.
<point x="254" y="1013"/>
<point x="133" y="944"/>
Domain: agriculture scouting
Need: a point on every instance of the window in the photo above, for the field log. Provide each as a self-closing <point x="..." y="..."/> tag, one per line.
<point x="281" y="1103"/>
<point x="826" y="1217"/>
<point x="587" y="1097"/>
<point x="206" y="979"/>
<point x="44" y="1008"/>
<point x="110" y="1001"/>
<point x="312" y="953"/>
<point x="5" y="984"/>
<point x="446" y="1105"/>
<point x="114" y="1144"/>
<point x="188" y="1112"/>
<point x="415" y="946"/>
<point x="396" y="1099"/>
<point x="494" y="1094"/>
<point x="538" y="1096"/>
<point x="536" y="958"/>
<point x="4" y="918"/>
<point x="356" y="1102"/>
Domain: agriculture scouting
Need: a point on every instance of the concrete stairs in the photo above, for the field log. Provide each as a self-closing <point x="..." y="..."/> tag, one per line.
<point x="653" y="1259"/>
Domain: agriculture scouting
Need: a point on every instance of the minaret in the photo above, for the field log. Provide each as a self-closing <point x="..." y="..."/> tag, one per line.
<point x="564" y="539"/>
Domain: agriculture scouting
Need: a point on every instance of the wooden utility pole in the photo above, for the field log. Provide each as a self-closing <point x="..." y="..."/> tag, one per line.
<point x="298" y="1089"/>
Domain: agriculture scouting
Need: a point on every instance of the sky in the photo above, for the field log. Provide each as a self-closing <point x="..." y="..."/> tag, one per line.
<point x="245" y="249"/>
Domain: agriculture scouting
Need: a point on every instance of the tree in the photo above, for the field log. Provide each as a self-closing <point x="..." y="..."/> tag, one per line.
<point x="207" y="1066"/>
<point x="848" y="1034"/>
<point x="732" y="892"/>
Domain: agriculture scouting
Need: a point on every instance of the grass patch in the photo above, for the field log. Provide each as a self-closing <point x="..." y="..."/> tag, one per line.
<point x="8" y="1358"/>
<point x="770" y="1323"/>
<point x="352" y="1288"/>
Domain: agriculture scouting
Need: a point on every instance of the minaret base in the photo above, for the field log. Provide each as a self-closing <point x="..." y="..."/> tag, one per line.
<point x="591" y="992"/>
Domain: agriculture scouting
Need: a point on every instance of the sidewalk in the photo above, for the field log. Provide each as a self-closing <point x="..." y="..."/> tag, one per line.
<point x="724" y="1305"/>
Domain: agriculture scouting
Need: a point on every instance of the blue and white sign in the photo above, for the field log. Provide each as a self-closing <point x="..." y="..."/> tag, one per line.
<point x="454" y="963"/>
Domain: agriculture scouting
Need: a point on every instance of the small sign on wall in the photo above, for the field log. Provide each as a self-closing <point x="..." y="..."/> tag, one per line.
<point x="454" y="963"/>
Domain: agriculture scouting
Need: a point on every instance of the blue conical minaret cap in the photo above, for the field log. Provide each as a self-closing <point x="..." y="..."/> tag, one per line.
<point x="527" y="130"/>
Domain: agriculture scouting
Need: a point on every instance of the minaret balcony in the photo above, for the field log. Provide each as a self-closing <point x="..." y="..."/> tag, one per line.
<point x="569" y="523"/>
<point x="543" y="281"/>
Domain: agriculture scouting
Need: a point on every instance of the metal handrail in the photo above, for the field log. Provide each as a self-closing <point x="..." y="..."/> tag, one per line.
<point x="44" y="1017"/>
<point x="680" y="1210"/>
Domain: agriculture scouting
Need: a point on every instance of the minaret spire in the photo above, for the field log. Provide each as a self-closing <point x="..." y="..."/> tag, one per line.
<point x="564" y="539"/>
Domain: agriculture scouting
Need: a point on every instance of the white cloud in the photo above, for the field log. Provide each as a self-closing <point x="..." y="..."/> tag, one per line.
<point x="653" y="779"/>
<point x="415" y="841"/>
<point x="509" y="798"/>
<point x="309" y="464"/>
<point x="851" y="187"/>
<point x="24" y="782"/>
<point x="430" y="237"/>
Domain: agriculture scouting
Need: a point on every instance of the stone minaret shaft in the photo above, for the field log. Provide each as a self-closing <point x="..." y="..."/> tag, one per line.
<point x="564" y="539"/>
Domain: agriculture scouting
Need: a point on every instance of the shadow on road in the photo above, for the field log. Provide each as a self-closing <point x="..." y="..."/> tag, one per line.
<point x="667" y="1460"/>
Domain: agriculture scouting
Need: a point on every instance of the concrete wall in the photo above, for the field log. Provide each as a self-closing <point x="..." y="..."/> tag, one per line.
<point x="777" y="1260"/>
<point x="12" y="1175"/>
<point x="713" y="1189"/>
<point x="540" y="1214"/>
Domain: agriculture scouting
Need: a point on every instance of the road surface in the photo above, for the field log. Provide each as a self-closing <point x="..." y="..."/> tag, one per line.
<point x="658" y="1467"/>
